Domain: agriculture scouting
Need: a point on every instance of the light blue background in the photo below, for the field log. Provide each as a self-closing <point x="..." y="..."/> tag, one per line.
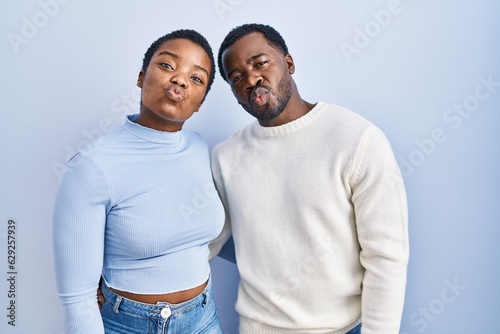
<point x="74" y="75"/>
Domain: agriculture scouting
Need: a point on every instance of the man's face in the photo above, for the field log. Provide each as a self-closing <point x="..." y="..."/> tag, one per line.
<point x="259" y="75"/>
<point x="175" y="82"/>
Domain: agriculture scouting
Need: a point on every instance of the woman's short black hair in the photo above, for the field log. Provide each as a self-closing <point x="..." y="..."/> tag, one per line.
<point x="272" y="36"/>
<point x="188" y="34"/>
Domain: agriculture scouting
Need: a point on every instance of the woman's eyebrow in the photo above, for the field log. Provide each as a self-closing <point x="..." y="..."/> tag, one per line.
<point x="176" y="56"/>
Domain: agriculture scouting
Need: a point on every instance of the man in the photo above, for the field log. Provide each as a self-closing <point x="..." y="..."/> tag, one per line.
<point x="315" y="202"/>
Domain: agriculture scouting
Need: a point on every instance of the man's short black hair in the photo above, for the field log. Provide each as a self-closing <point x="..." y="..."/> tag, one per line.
<point x="188" y="34"/>
<point x="272" y="36"/>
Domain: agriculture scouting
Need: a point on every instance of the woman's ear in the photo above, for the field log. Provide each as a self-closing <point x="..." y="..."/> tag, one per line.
<point x="197" y="109"/>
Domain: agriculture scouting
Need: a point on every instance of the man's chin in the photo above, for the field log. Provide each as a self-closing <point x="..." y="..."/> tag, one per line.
<point x="264" y="116"/>
<point x="263" y="113"/>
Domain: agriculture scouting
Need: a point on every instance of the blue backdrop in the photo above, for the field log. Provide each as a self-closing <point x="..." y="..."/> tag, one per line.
<point x="426" y="72"/>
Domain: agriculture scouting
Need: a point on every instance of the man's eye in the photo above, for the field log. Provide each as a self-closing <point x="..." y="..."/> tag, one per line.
<point x="237" y="78"/>
<point x="261" y="63"/>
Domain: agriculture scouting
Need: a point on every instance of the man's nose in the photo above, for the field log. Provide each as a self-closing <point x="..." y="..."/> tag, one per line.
<point x="254" y="80"/>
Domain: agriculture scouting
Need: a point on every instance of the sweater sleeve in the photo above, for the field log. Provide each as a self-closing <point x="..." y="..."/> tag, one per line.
<point x="216" y="245"/>
<point x="380" y="207"/>
<point x="78" y="242"/>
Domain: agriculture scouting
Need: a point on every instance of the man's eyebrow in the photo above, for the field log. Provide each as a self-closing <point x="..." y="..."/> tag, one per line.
<point x="249" y="60"/>
<point x="252" y="58"/>
<point x="176" y="56"/>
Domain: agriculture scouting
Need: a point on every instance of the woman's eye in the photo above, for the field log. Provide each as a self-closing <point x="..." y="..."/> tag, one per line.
<point x="166" y="65"/>
<point x="196" y="79"/>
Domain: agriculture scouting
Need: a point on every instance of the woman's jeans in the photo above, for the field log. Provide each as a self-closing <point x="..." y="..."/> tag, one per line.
<point x="124" y="316"/>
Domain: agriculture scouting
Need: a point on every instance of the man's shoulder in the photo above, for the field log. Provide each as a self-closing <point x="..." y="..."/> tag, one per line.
<point x="340" y="124"/>
<point x="343" y="116"/>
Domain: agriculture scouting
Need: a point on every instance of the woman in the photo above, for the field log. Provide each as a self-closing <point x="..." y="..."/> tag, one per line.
<point x="138" y="207"/>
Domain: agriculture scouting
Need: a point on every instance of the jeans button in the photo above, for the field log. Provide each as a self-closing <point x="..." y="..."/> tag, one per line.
<point x="165" y="312"/>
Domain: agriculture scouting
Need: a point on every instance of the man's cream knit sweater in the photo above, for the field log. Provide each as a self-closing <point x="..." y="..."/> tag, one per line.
<point x="318" y="213"/>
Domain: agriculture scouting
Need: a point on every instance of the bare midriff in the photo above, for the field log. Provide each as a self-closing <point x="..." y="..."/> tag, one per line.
<point x="171" y="298"/>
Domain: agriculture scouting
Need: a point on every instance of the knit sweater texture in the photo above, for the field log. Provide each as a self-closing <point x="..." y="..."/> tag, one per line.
<point x="317" y="209"/>
<point x="139" y="207"/>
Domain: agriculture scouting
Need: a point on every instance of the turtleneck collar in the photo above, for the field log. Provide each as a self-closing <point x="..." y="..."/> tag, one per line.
<point x="151" y="135"/>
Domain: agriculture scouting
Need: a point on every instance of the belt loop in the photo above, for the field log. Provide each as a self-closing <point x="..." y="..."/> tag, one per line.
<point x="117" y="303"/>
<point x="205" y="299"/>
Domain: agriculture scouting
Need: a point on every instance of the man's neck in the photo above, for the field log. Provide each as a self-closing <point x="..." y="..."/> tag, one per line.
<point x="295" y="108"/>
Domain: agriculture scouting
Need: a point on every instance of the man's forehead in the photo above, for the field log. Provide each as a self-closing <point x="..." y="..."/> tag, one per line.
<point x="250" y="45"/>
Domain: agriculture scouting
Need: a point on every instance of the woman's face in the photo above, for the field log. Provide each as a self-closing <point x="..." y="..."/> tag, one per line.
<point x="174" y="84"/>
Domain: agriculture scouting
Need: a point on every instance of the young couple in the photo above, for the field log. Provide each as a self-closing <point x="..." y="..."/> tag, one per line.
<point x="311" y="194"/>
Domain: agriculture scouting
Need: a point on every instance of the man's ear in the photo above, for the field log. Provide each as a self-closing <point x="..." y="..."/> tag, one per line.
<point x="290" y="64"/>
<point x="140" y="79"/>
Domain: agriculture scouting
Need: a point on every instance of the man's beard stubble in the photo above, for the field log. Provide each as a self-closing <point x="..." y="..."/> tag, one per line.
<point x="283" y="94"/>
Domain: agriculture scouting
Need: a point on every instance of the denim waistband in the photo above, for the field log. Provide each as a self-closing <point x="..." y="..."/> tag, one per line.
<point x="157" y="310"/>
